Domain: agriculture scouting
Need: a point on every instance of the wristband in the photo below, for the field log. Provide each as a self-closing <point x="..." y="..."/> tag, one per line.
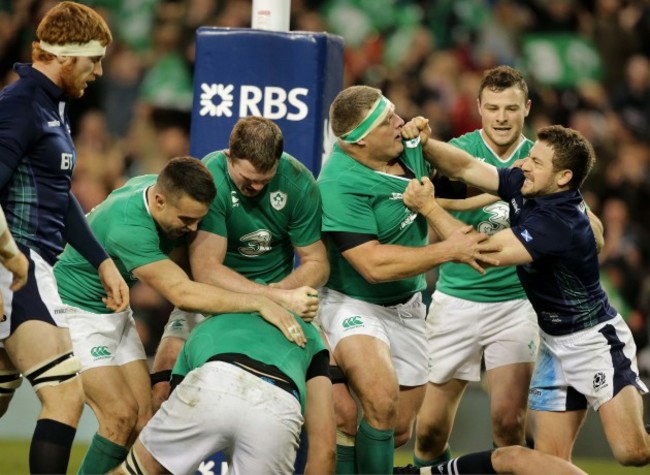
<point x="161" y="377"/>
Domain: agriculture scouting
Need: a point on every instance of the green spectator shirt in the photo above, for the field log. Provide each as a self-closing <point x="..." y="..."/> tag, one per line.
<point x="499" y="284"/>
<point x="249" y="334"/>
<point x="262" y="231"/>
<point x="123" y="225"/>
<point x="357" y="199"/>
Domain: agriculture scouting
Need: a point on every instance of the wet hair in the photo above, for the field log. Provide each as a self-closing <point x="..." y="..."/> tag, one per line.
<point x="187" y="176"/>
<point x="571" y="151"/>
<point x="503" y="77"/>
<point x="350" y="106"/>
<point x="69" y="22"/>
<point x="258" y="140"/>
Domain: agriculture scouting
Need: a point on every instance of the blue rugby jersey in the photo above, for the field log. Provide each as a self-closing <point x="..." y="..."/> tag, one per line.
<point x="37" y="157"/>
<point x="563" y="281"/>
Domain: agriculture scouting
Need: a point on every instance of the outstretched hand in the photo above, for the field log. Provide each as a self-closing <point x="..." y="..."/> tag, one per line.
<point x="302" y="301"/>
<point x="472" y="248"/>
<point x="283" y="320"/>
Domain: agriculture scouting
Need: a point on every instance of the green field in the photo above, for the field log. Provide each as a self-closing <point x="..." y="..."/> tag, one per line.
<point x="14" y="461"/>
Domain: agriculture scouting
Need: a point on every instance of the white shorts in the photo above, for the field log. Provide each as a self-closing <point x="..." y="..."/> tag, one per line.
<point x="460" y="332"/>
<point x="104" y="339"/>
<point x="586" y="367"/>
<point x="401" y="327"/>
<point x="220" y="407"/>
<point x="37" y="300"/>
<point x="180" y="323"/>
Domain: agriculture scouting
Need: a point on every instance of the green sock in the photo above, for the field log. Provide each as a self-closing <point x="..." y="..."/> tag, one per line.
<point x="345" y="460"/>
<point x="375" y="449"/>
<point x="102" y="456"/>
<point x="443" y="457"/>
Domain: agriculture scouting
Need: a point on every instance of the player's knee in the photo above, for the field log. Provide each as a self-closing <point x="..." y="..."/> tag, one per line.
<point x="54" y="371"/>
<point x="636" y="455"/>
<point x="9" y="382"/>
<point x="508" y="427"/>
<point x="508" y="459"/>
<point x="381" y="410"/>
<point x="402" y="435"/>
<point x="430" y="436"/>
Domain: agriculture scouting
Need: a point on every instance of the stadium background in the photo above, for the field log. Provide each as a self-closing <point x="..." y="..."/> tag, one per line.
<point x="587" y="64"/>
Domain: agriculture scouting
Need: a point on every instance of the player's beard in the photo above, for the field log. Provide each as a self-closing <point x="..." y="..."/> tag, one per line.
<point x="71" y="81"/>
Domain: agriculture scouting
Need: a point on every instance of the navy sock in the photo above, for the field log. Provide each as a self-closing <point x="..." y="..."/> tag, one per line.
<point x="50" y="448"/>
<point x="474" y="463"/>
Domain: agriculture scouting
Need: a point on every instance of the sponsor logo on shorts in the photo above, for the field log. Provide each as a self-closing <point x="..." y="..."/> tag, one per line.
<point x="534" y="392"/>
<point x="600" y="381"/>
<point x="176" y="324"/>
<point x="100" y="352"/>
<point x="352" y="322"/>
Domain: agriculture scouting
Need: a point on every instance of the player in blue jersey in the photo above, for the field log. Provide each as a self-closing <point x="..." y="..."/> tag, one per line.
<point x="37" y="157"/>
<point x="587" y="355"/>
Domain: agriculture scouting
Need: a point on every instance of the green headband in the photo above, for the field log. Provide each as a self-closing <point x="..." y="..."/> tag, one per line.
<point x="375" y="116"/>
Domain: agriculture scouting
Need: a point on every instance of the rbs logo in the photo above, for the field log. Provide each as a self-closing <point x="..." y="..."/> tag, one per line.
<point x="271" y="102"/>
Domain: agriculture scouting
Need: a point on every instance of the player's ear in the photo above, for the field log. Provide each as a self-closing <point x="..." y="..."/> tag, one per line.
<point x="564" y="177"/>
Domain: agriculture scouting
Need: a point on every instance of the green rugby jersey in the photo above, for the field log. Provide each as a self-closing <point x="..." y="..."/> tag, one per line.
<point x="499" y="284"/>
<point x="124" y="227"/>
<point x="263" y="230"/>
<point x="250" y="335"/>
<point x="357" y="199"/>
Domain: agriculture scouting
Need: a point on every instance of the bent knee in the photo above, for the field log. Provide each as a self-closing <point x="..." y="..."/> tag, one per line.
<point x="637" y="456"/>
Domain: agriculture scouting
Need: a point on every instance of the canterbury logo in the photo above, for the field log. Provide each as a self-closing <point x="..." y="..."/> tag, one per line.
<point x="352" y="322"/>
<point x="100" y="352"/>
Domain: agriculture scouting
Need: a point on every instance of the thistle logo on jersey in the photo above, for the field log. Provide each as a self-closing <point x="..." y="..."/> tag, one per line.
<point x="99" y="352"/>
<point x="352" y="322"/>
<point x="278" y="200"/>
<point x="272" y="102"/>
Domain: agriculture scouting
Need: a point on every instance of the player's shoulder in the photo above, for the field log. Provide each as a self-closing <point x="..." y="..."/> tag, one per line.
<point x="470" y="142"/>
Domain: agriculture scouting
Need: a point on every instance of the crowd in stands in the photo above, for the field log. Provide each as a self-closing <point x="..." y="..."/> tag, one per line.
<point x="587" y="63"/>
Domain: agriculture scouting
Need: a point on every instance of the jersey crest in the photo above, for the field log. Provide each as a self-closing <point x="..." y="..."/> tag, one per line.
<point x="278" y="199"/>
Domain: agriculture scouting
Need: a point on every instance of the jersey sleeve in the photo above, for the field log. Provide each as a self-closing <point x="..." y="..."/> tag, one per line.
<point x="544" y="234"/>
<point x="19" y="129"/>
<point x="510" y="182"/>
<point x="345" y="210"/>
<point x="306" y="221"/>
<point x="135" y="245"/>
<point x="215" y="221"/>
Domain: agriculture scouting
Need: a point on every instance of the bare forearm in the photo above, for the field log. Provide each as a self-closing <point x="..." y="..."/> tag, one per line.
<point x="312" y="273"/>
<point x="209" y="299"/>
<point x="391" y="262"/>
<point x="440" y="221"/>
<point x="451" y="160"/>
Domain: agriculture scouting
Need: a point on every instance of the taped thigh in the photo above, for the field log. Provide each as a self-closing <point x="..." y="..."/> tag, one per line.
<point x="57" y="370"/>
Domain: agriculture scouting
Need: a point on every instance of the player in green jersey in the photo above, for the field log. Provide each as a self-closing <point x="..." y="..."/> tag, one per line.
<point x="244" y="398"/>
<point x="371" y="308"/>
<point x="267" y="208"/>
<point x="487" y="316"/>
<point x="143" y="226"/>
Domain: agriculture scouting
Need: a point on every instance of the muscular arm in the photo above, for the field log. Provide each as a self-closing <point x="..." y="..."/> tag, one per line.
<point x="314" y="268"/>
<point x="419" y="197"/>
<point x="320" y="426"/>
<point x="452" y="161"/>
<point x="468" y="204"/>
<point x="207" y="252"/>
<point x="378" y="262"/>
<point x="174" y="284"/>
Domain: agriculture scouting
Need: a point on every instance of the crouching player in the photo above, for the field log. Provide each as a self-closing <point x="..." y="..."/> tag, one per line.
<point x="244" y="390"/>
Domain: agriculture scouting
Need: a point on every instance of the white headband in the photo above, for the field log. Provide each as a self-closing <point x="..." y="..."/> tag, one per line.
<point x="89" y="49"/>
